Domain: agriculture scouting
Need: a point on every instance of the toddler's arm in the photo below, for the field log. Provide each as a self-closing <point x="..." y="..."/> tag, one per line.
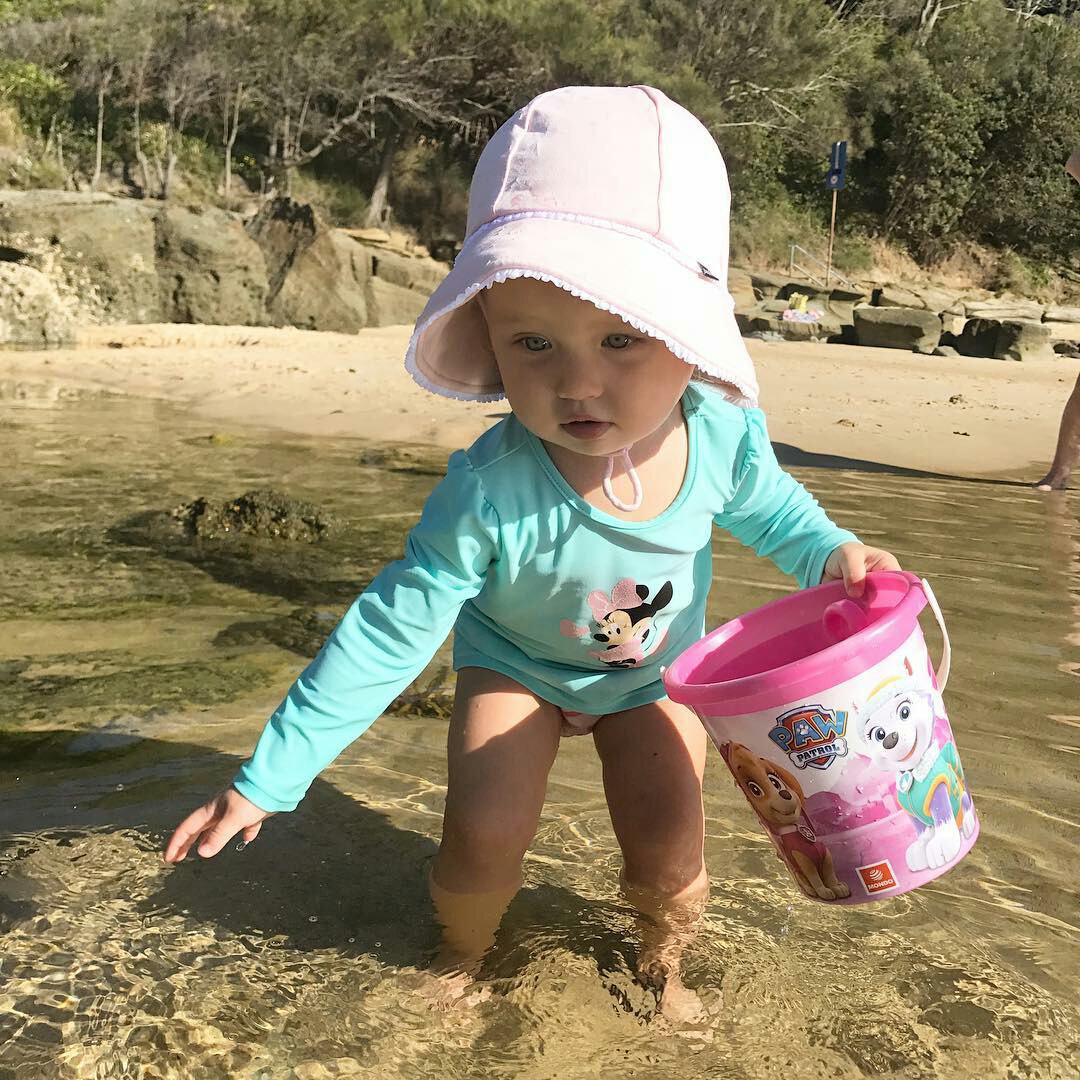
<point x="774" y="514"/>
<point x="380" y="645"/>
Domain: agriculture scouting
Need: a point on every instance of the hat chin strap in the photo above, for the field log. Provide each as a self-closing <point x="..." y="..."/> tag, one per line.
<point x="624" y="453"/>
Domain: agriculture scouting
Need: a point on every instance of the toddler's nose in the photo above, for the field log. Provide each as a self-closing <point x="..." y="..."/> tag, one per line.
<point x="578" y="381"/>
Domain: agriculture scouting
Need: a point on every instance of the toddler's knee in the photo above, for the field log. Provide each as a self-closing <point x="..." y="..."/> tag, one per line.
<point x="487" y="843"/>
<point x="666" y="870"/>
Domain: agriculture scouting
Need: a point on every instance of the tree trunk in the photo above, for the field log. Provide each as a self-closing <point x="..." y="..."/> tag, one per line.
<point x="140" y="156"/>
<point x="378" y="211"/>
<point x="167" y="174"/>
<point x="928" y="16"/>
<point x="97" y="143"/>
<point x="230" y="135"/>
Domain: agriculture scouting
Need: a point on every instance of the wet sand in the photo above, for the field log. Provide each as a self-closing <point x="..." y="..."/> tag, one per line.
<point x="965" y="416"/>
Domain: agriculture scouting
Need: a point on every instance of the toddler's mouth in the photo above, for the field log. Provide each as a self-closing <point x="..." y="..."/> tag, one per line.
<point x="586" y="428"/>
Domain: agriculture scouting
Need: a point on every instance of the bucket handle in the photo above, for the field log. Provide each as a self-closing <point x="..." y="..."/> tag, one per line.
<point x="942" y="674"/>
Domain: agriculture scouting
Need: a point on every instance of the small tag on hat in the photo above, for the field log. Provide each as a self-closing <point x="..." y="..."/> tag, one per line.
<point x="706" y="272"/>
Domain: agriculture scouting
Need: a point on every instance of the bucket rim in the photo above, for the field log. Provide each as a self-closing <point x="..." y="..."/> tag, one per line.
<point x="811" y="674"/>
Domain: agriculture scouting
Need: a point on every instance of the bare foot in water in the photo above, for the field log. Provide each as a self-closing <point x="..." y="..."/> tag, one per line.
<point x="449" y="986"/>
<point x="681" y="1005"/>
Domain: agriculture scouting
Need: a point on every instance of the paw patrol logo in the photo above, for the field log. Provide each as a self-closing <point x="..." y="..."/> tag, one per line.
<point x="811" y="736"/>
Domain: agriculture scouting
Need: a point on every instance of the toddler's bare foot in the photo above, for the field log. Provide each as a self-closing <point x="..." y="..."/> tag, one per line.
<point x="676" y="1002"/>
<point x="680" y="1004"/>
<point x="449" y="988"/>
<point x="449" y="982"/>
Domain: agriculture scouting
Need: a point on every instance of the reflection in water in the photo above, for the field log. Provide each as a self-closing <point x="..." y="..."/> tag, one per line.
<point x="138" y="669"/>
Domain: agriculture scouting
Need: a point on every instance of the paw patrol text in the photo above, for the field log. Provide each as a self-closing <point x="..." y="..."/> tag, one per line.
<point x="811" y="735"/>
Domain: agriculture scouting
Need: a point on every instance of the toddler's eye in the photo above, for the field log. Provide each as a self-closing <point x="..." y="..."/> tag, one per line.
<point x="534" y="343"/>
<point x="619" y="341"/>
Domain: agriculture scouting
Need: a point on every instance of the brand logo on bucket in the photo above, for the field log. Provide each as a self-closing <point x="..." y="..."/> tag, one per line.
<point x="811" y="735"/>
<point x="877" y="877"/>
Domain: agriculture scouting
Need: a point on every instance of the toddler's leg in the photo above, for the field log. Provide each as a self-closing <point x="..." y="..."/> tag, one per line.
<point x="501" y="745"/>
<point x="653" y="759"/>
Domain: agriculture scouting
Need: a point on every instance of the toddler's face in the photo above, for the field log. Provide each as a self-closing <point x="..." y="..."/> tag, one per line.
<point x="576" y="376"/>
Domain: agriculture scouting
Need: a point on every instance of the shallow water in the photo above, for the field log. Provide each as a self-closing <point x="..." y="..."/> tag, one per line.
<point x="138" y="668"/>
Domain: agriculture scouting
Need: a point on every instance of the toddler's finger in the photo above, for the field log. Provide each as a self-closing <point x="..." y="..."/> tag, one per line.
<point x="186" y="833"/>
<point x="217" y="837"/>
<point x="251" y="832"/>
<point x="854" y="577"/>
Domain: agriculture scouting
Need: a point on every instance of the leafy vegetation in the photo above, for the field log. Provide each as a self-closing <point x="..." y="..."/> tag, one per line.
<point x="959" y="114"/>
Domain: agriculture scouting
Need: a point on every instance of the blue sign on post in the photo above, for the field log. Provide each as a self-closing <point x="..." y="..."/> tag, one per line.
<point x="834" y="180"/>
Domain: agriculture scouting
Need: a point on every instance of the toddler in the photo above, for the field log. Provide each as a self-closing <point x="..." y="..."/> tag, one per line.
<point x="569" y="548"/>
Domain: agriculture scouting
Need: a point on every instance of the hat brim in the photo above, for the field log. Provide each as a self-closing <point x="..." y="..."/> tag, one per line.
<point x="692" y="314"/>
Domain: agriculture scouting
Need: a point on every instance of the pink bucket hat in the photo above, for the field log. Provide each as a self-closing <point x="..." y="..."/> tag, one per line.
<point x="614" y="193"/>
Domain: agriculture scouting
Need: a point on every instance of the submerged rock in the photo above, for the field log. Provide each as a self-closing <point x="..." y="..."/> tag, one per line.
<point x="268" y="514"/>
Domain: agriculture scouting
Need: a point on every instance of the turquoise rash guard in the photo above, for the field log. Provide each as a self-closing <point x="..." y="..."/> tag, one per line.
<point x="580" y="607"/>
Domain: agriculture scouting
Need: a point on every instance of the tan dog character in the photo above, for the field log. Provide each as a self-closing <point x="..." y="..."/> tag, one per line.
<point x="778" y="799"/>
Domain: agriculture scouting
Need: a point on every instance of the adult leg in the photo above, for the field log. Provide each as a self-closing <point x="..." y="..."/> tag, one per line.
<point x="653" y="758"/>
<point x="1067" y="452"/>
<point x="500" y="748"/>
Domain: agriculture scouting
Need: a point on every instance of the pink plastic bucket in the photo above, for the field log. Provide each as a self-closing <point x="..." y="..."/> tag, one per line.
<point x="829" y="714"/>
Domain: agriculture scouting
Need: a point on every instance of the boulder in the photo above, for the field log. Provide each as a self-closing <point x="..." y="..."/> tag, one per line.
<point x="32" y="312"/>
<point x="1067" y="348"/>
<point x="766" y="284"/>
<point x="897" y="296"/>
<point x="211" y="270"/>
<point x="1006" y="339"/>
<point x="1062" y="331"/>
<point x="896" y="328"/>
<point x="1026" y="310"/>
<point x="1023" y="340"/>
<point x="927" y="297"/>
<point x="952" y="324"/>
<point x="392" y="305"/>
<point x="978" y="338"/>
<point x="766" y="320"/>
<point x="408" y="271"/>
<point x="1062" y="315"/>
<point x="316" y="277"/>
<point x="98" y="249"/>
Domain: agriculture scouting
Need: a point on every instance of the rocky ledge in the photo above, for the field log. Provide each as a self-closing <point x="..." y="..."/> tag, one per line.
<point x="70" y="258"/>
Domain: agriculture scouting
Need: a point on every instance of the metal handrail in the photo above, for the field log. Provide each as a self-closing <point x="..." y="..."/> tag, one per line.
<point x="793" y="266"/>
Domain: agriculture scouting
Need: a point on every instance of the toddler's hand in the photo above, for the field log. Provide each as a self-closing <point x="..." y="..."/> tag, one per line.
<point x="852" y="562"/>
<point x="220" y="819"/>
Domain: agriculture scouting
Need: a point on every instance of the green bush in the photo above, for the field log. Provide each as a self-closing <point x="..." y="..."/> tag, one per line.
<point x="339" y="201"/>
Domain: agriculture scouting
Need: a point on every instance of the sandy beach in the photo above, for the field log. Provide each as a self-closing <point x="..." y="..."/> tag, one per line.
<point x="954" y="416"/>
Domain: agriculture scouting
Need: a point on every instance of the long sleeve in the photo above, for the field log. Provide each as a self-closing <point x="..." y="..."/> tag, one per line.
<point x="774" y="514"/>
<point x="381" y="644"/>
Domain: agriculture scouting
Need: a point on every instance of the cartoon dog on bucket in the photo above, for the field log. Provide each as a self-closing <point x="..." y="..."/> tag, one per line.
<point x="777" y="799"/>
<point x="896" y="732"/>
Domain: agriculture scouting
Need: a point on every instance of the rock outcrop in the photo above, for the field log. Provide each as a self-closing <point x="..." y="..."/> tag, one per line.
<point x="114" y="260"/>
<point x="32" y="312"/>
<point x="97" y="249"/>
<point x="1006" y="339"/>
<point x="209" y="269"/>
<point x="314" y="281"/>
<point x="897" y="328"/>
